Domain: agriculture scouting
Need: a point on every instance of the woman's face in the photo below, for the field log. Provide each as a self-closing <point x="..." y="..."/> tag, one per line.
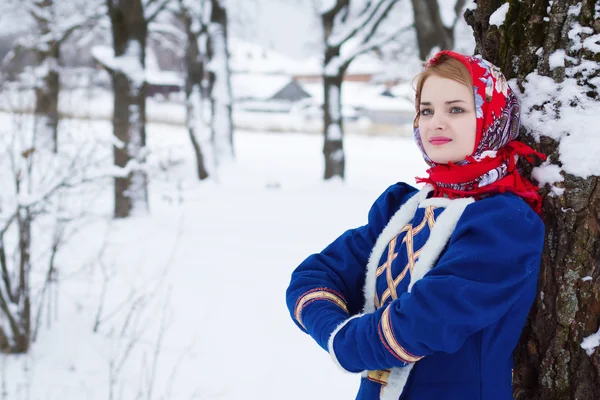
<point x="447" y="120"/>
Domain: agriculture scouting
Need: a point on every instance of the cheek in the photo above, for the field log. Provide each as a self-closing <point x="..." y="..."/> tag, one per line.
<point x="423" y="127"/>
<point x="468" y="127"/>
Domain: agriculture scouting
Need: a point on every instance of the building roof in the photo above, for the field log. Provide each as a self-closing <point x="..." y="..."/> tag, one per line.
<point x="363" y="95"/>
<point x="257" y="86"/>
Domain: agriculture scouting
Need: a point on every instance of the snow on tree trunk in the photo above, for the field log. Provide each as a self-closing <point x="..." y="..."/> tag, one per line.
<point x="219" y="83"/>
<point x="333" y="147"/>
<point x="129" y="29"/>
<point x="551" y="50"/>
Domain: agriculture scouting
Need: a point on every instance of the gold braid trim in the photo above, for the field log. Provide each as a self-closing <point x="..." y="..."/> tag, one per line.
<point x="390" y="342"/>
<point x="314" y="295"/>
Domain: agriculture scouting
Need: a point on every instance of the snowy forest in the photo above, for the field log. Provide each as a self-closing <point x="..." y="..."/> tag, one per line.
<point x="154" y="151"/>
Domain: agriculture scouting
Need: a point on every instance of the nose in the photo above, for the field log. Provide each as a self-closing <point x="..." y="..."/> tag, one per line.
<point x="438" y="121"/>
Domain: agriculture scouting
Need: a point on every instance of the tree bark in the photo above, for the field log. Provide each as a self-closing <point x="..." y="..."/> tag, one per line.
<point x="129" y="29"/>
<point x="47" y="91"/>
<point x="430" y="29"/>
<point x="193" y="92"/>
<point x="549" y="361"/>
<point x="333" y="148"/>
<point x="333" y="128"/>
<point x="22" y="337"/>
<point x="219" y="85"/>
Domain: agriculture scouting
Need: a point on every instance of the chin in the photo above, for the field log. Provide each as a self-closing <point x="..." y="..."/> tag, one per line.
<point x="445" y="159"/>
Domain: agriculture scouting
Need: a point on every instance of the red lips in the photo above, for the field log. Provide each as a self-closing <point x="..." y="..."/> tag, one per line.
<point x="439" y="140"/>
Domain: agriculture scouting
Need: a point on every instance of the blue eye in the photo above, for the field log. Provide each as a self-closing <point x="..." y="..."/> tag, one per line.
<point x="456" y="110"/>
<point x="426" y="111"/>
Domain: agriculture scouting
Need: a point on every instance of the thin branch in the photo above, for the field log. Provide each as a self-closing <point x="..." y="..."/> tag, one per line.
<point x="377" y="21"/>
<point x="14" y="326"/>
<point x="369" y="45"/>
<point x="158" y="346"/>
<point x="371" y="12"/>
<point x="35" y="10"/>
<point x="5" y="274"/>
<point x="105" y="279"/>
<point x="458" y="7"/>
<point x="47" y="282"/>
<point x="171" y="380"/>
<point x="155" y="27"/>
<point x="339" y="5"/>
<point x="151" y="15"/>
<point x="88" y="21"/>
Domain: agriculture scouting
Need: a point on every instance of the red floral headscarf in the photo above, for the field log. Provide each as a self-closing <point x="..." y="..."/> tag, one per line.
<point x="492" y="166"/>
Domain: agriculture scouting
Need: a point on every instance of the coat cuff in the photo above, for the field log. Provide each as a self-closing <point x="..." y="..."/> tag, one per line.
<point x="330" y="347"/>
<point x="318" y="294"/>
<point x="389" y="341"/>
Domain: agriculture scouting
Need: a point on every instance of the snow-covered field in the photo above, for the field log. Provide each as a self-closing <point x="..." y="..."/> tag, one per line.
<point x="189" y="300"/>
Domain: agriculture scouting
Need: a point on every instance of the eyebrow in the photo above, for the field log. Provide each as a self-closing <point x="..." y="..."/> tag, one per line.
<point x="427" y="103"/>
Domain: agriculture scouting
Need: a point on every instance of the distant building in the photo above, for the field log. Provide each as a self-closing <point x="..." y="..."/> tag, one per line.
<point x="268" y="93"/>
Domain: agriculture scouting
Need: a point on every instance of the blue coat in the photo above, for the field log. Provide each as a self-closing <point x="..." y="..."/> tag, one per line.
<point x="428" y="299"/>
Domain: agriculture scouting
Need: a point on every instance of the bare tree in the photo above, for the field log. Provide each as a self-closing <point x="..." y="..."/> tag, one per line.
<point x="192" y="15"/>
<point x="551" y="50"/>
<point x="35" y="180"/>
<point x="129" y="22"/>
<point x="350" y="28"/>
<point x="431" y="31"/>
<point x="54" y="22"/>
<point x="218" y="83"/>
<point x="208" y="79"/>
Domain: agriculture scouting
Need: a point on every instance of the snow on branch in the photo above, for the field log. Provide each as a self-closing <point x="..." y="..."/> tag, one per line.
<point x="168" y="29"/>
<point x="327" y="6"/>
<point x="39" y="11"/>
<point x="80" y="22"/>
<point x="129" y="63"/>
<point x="154" y="7"/>
<point x="364" y="40"/>
<point x="370" y="16"/>
<point x="346" y="57"/>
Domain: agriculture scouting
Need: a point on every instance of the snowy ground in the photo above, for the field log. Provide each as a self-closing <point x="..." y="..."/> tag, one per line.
<point x="194" y="303"/>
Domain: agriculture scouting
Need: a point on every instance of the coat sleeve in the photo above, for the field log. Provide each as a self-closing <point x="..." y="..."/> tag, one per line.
<point x="492" y="259"/>
<point x="327" y="287"/>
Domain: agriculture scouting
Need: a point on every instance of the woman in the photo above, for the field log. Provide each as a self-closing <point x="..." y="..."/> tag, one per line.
<point x="427" y="301"/>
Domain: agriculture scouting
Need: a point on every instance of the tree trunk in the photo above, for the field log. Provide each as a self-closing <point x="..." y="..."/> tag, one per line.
<point x="430" y="29"/>
<point x="333" y="148"/>
<point x="550" y="362"/>
<point x="219" y="82"/>
<point x="47" y="90"/>
<point x="333" y="127"/>
<point x="193" y="92"/>
<point x="22" y="337"/>
<point x="129" y="29"/>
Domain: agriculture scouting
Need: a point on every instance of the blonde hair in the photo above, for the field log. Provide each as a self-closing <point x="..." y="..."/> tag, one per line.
<point x="446" y="67"/>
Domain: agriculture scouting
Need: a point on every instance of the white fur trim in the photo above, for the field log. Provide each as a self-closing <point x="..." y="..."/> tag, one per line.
<point x="436" y="202"/>
<point x="396" y="382"/>
<point x="332" y="337"/>
<point x="402" y="217"/>
<point x="439" y="236"/>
